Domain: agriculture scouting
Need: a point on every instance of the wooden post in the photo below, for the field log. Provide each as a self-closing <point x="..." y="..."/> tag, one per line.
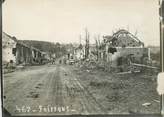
<point x="161" y="3"/>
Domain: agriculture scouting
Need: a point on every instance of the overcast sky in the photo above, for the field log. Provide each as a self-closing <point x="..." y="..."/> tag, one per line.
<point x="64" y="20"/>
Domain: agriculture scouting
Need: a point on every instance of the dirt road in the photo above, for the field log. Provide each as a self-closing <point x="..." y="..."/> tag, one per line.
<point x="46" y="90"/>
<point x="64" y="89"/>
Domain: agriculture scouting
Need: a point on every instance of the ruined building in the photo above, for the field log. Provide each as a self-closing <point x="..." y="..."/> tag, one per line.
<point x="123" y="47"/>
<point x="16" y="52"/>
<point x="79" y="52"/>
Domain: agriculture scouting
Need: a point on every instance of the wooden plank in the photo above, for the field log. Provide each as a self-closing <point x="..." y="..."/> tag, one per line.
<point x="142" y="65"/>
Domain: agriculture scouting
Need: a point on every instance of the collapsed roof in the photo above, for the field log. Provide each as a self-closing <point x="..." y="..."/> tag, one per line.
<point x="123" y="38"/>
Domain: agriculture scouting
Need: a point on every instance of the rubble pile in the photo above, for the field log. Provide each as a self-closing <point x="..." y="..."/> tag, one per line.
<point x="122" y="52"/>
<point x="9" y="67"/>
<point x="88" y="64"/>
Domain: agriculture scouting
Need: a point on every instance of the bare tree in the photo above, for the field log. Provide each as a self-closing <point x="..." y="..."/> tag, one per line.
<point x="136" y="33"/>
<point x="97" y="40"/>
<point x="97" y="46"/>
<point x="80" y="39"/>
<point x="87" y="36"/>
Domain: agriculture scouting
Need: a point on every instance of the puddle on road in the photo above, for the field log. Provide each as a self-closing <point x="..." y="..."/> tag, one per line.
<point x="39" y="86"/>
<point x="33" y="95"/>
<point x="65" y="74"/>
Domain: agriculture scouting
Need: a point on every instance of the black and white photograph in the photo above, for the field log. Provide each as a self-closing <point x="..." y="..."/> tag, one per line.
<point x="80" y="57"/>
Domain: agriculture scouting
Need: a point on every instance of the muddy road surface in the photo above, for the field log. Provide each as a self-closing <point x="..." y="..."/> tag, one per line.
<point x="65" y="89"/>
<point x="47" y="90"/>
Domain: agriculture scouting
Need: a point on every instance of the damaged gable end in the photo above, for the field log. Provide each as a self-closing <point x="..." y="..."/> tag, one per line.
<point x="122" y="47"/>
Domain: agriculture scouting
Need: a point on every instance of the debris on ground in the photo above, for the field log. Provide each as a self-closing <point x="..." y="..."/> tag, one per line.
<point x="116" y="90"/>
<point x="156" y="101"/>
<point x="33" y="95"/>
<point x="20" y="67"/>
<point x="129" y="72"/>
<point x="8" y="68"/>
<point x="5" y="71"/>
<point x="146" y="104"/>
<point x="65" y="74"/>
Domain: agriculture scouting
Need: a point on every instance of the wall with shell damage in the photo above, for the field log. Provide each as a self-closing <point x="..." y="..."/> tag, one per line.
<point x="121" y="56"/>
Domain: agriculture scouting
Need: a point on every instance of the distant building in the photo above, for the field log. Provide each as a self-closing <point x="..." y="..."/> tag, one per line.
<point x="79" y="52"/>
<point x="46" y="56"/>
